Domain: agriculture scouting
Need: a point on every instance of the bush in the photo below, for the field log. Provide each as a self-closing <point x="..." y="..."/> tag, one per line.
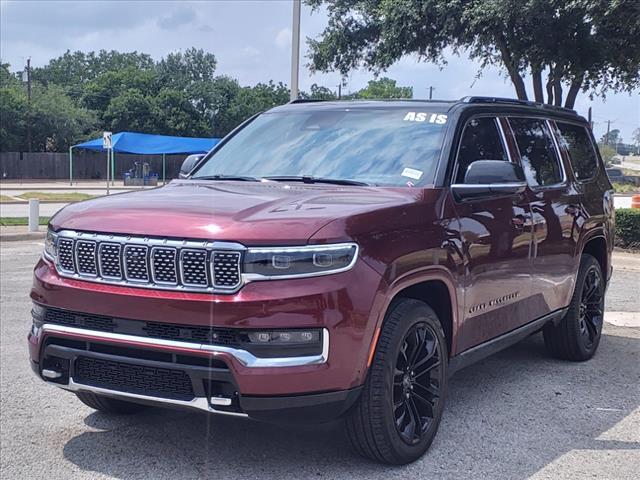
<point x="628" y="227"/>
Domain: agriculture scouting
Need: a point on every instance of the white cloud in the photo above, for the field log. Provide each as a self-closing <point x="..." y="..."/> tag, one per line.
<point x="250" y="51"/>
<point x="283" y="38"/>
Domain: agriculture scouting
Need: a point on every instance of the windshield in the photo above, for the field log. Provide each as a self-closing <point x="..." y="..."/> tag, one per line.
<point x="378" y="147"/>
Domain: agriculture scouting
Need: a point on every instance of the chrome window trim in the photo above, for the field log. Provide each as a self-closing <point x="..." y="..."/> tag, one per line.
<point x="175" y="266"/>
<point x="244" y="357"/>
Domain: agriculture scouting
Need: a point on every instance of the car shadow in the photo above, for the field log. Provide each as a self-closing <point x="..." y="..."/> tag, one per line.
<point x="507" y="417"/>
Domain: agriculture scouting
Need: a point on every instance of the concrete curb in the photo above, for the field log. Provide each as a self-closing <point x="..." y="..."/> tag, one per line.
<point x="18" y="237"/>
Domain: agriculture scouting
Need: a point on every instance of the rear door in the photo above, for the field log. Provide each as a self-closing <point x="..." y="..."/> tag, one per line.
<point x="496" y="243"/>
<point x="554" y="208"/>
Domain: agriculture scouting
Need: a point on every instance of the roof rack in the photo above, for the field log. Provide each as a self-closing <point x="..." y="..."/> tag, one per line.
<point x="514" y="101"/>
<point x="307" y="100"/>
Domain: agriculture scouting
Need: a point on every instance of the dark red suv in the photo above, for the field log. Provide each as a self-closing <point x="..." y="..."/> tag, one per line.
<point x="333" y="259"/>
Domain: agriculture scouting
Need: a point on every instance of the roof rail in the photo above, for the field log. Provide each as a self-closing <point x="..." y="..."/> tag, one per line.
<point x="307" y="100"/>
<point x="514" y="101"/>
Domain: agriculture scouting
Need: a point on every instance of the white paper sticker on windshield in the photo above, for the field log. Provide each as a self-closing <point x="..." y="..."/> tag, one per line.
<point x="411" y="173"/>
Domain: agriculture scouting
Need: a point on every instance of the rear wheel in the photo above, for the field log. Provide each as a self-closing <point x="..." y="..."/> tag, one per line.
<point x="398" y="413"/>
<point x="108" y="404"/>
<point x="577" y="336"/>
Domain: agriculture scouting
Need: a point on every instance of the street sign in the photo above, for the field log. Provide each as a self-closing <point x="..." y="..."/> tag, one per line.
<point x="106" y="140"/>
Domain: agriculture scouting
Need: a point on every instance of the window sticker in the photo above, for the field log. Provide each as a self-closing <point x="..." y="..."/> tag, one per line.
<point x="437" y="118"/>
<point x="412" y="173"/>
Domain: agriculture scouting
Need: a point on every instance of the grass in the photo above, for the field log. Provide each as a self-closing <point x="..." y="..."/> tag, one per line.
<point x="20" y="221"/>
<point x="624" y="188"/>
<point x="5" y="199"/>
<point x="56" y="197"/>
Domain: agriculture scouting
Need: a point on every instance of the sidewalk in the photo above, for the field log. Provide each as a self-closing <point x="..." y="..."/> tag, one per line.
<point x="16" y="234"/>
<point x="63" y="185"/>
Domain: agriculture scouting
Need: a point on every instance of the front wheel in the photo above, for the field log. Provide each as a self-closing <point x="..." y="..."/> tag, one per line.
<point x="398" y="413"/>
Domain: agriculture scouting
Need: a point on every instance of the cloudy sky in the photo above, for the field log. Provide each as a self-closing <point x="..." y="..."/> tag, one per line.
<point x="252" y="41"/>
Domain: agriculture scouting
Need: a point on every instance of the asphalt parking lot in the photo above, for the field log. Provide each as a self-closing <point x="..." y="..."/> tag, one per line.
<point x="518" y="414"/>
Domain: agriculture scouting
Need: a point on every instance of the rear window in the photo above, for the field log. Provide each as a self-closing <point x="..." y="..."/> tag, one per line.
<point x="577" y="141"/>
<point x="540" y="162"/>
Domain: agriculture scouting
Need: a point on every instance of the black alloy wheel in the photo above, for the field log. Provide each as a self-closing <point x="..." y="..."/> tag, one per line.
<point x="416" y="383"/>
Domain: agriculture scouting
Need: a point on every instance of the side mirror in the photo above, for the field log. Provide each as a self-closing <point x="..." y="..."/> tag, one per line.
<point x="490" y="177"/>
<point x="189" y="163"/>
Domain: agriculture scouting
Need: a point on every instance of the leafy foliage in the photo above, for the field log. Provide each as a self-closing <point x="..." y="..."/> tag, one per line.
<point x="78" y="95"/>
<point x="588" y="45"/>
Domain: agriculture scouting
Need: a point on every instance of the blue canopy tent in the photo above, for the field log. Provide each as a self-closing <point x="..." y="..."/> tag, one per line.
<point x="144" y="144"/>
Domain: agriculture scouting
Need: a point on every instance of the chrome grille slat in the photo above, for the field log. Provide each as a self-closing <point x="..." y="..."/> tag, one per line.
<point x="86" y="261"/>
<point x="163" y="265"/>
<point x="66" y="259"/>
<point x="226" y="269"/>
<point x="109" y="259"/>
<point x="156" y="263"/>
<point x="193" y="267"/>
<point x="136" y="266"/>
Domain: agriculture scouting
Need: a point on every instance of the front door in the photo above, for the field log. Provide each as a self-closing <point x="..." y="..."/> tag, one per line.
<point x="496" y="237"/>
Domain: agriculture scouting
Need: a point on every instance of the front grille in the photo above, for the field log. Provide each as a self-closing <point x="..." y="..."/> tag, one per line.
<point x="163" y="265"/>
<point x="135" y="263"/>
<point x="109" y="255"/>
<point x="156" y="263"/>
<point x="166" y="331"/>
<point x="86" y="255"/>
<point x="137" y="379"/>
<point x="226" y="273"/>
<point x="65" y="255"/>
<point x="81" y="320"/>
<point x="194" y="267"/>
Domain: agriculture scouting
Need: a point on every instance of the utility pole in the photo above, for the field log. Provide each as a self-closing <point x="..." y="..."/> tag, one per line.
<point x="29" y="104"/>
<point x="606" y="139"/>
<point x="430" y="93"/>
<point x="295" y="49"/>
<point x="339" y="90"/>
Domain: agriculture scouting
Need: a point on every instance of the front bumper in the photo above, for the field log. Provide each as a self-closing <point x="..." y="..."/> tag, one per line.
<point x="313" y="387"/>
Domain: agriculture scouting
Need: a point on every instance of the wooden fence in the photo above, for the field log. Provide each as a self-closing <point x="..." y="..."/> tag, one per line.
<point x="87" y="165"/>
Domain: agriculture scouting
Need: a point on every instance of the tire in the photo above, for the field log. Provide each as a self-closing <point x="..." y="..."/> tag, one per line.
<point x="577" y="336"/>
<point x="109" y="405"/>
<point x="394" y="394"/>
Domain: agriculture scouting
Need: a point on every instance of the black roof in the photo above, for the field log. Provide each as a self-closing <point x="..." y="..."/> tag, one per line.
<point x="442" y="105"/>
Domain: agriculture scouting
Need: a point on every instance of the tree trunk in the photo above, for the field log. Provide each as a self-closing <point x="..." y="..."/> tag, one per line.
<point x="557" y="85"/>
<point x="536" y="75"/>
<point x="512" y="68"/>
<point x="573" y="92"/>
<point x="550" y="86"/>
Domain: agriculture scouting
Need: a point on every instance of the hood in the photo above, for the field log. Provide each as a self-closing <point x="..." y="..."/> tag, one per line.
<point x="245" y="212"/>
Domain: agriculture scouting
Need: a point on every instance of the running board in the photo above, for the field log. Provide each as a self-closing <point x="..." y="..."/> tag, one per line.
<point x="477" y="353"/>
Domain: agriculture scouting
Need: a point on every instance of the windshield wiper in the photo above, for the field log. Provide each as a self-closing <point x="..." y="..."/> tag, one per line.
<point x="310" y="179"/>
<point x="238" y="178"/>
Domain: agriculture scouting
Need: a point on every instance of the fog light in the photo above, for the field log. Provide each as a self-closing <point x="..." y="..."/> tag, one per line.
<point x="285" y="336"/>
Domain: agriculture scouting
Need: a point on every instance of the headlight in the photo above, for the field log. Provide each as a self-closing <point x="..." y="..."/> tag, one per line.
<point x="287" y="262"/>
<point x="51" y="246"/>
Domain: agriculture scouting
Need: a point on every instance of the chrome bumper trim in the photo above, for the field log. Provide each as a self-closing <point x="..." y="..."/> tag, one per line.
<point x="198" y="403"/>
<point x="245" y="358"/>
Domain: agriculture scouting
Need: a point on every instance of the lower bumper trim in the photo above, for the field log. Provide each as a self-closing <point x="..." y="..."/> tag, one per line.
<point x="198" y="403"/>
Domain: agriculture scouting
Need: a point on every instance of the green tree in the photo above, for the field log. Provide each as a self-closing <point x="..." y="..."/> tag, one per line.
<point x="607" y="152"/>
<point x="587" y="45"/>
<point x="384" y="88"/>
<point x="611" y="138"/>
<point x="318" y="92"/>
<point x="131" y="111"/>
<point x="182" y="69"/>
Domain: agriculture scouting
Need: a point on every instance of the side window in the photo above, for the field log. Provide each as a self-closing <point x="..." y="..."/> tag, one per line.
<point x="540" y="162"/>
<point x="577" y="141"/>
<point x="480" y="141"/>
